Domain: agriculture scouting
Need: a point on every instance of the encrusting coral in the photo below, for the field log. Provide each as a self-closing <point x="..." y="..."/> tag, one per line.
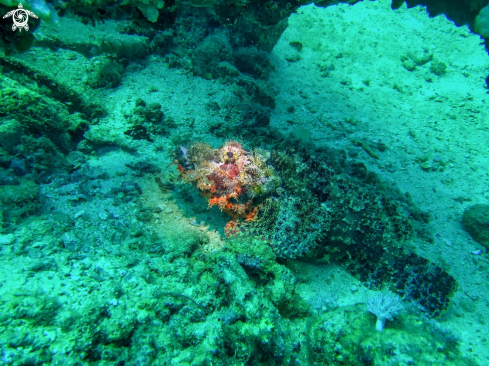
<point x="235" y="180"/>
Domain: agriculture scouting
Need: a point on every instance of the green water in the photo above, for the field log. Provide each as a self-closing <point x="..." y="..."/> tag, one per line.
<point x="243" y="183"/>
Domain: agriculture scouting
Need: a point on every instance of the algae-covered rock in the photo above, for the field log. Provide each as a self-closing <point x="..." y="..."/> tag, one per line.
<point x="420" y="57"/>
<point x="20" y="200"/>
<point x="92" y="41"/>
<point x="226" y="69"/>
<point x="147" y="120"/>
<point x="259" y="261"/>
<point x="347" y="336"/>
<point x="409" y="65"/>
<point x="476" y="221"/>
<point x="10" y="133"/>
<point x="104" y="135"/>
<point x="31" y="113"/>
<point x="47" y="78"/>
<point x="438" y="67"/>
<point x="36" y="113"/>
<point x="105" y="73"/>
<point x="252" y="61"/>
<point x="206" y="57"/>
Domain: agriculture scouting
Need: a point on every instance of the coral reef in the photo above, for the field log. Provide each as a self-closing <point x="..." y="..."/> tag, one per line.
<point x="18" y="201"/>
<point x="98" y="268"/>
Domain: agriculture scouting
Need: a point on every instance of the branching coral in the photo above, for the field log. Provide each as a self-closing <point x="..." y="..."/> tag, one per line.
<point x="230" y="177"/>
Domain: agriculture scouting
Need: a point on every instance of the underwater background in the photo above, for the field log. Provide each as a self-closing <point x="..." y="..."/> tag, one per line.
<point x="244" y="182"/>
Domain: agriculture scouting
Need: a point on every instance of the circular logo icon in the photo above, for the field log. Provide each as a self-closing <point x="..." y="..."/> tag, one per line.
<point x="20" y="17"/>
